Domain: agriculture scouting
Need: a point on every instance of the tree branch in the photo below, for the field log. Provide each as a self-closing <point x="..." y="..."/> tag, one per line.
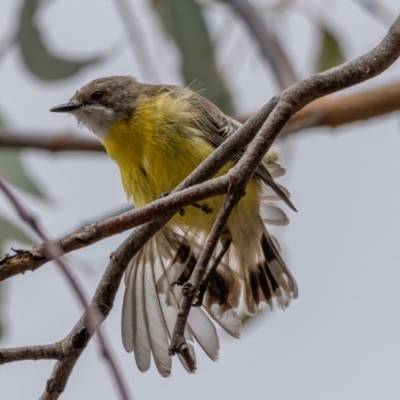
<point x="239" y="177"/>
<point x="331" y="112"/>
<point x="341" y="110"/>
<point x="53" y="143"/>
<point x="178" y="342"/>
<point x="42" y="352"/>
<point x="30" y="260"/>
<point x="55" y="252"/>
<point x="275" y="114"/>
<point x="298" y="96"/>
<point x="291" y="101"/>
<point x="100" y="305"/>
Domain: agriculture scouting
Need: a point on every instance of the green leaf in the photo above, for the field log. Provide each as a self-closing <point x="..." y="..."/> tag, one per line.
<point x="184" y="21"/>
<point x="330" y="53"/>
<point x="9" y="231"/>
<point x="12" y="168"/>
<point x="37" y="57"/>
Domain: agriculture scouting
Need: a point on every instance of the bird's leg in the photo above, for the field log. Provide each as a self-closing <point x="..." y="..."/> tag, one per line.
<point x="181" y="211"/>
<point x="203" y="287"/>
<point x="203" y="207"/>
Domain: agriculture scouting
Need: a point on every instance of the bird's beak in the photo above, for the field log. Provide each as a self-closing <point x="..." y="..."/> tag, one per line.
<point x="67" y="107"/>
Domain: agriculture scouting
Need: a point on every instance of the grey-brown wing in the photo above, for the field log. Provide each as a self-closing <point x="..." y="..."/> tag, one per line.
<point x="217" y="127"/>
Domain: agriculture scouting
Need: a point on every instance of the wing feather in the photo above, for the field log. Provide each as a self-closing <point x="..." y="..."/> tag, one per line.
<point x="229" y="321"/>
<point x="204" y="332"/>
<point x="141" y="342"/>
<point x="155" y="322"/>
<point x="273" y="215"/>
<point x="129" y="310"/>
<point x="275" y="169"/>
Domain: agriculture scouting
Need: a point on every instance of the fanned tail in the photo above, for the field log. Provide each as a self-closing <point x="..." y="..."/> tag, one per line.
<point x="268" y="279"/>
<point x="251" y="269"/>
<point x="149" y="313"/>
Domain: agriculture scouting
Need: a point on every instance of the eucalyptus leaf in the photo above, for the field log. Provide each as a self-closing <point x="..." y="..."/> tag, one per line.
<point x="184" y="21"/>
<point x="35" y="54"/>
<point x="330" y="54"/>
<point x="10" y="231"/>
<point x="12" y="168"/>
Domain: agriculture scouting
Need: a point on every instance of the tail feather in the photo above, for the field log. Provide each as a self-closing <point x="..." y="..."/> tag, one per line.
<point x="204" y="332"/>
<point x="266" y="284"/>
<point x="265" y="276"/>
<point x="154" y="318"/>
<point x="154" y="292"/>
<point x="223" y="290"/>
<point x="278" y="269"/>
<point x="148" y="319"/>
<point x="229" y="321"/>
<point x="252" y="270"/>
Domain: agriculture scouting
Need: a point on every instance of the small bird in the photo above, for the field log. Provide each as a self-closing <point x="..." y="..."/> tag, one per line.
<point x="157" y="135"/>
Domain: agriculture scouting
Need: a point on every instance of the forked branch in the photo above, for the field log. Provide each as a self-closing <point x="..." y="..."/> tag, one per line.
<point x="268" y="123"/>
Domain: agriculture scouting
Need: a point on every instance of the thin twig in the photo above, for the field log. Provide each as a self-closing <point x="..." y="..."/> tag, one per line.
<point x="51" y="142"/>
<point x="42" y="352"/>
<point x="30" y="260"/>
<point x="282" y="107"/>
<point x="239" y="177"/>
<point x="55" y="252"/>
<point x="102" y="300"/>
<point x="331" y="111"/>
<point x="269" y="43"/>
<point x="341" y="110"/>
<point x="334" y="111"/>
<point x="137" y="38"/>
<point x="290" y="102"/>
<point x="178" y="342"/>
<point x="356" y="71"/>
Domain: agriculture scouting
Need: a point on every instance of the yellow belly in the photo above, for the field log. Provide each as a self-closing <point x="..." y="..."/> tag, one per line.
<point x="154" y="157"/>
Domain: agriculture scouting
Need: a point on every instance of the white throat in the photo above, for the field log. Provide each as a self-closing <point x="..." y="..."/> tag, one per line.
<point x="96" y="118"/>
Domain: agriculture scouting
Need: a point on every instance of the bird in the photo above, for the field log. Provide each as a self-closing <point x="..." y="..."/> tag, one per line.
<point x="157" y="135"/>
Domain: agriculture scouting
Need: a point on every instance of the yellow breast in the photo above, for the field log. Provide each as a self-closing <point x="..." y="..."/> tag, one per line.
<point x="156" y="149"/>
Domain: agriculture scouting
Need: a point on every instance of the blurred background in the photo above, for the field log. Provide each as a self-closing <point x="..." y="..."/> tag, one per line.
<point x="340" y="338"/>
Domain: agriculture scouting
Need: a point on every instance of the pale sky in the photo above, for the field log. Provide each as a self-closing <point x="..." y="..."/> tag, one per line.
<point x="339" y="340"/>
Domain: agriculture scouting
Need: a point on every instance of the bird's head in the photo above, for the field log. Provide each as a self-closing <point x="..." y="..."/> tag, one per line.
<point x="102" y="103"/>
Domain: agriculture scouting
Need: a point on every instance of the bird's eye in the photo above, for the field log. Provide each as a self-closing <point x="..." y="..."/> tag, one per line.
<point x="97" y="95"/>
